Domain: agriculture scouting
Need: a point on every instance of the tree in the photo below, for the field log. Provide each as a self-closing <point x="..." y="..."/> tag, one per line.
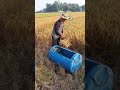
<point x="65" y="8"/>
<point x="57" y="6"/>
<point x="77" y="7"/>
<point x="73" y="8"/>
<point x="48" y="7"/>
<point x="83" y="7"/>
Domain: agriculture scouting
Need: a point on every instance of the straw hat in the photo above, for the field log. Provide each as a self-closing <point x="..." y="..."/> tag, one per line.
<point x="64" y="16"/>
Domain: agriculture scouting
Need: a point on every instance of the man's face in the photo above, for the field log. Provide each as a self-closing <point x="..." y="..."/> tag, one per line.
<point x="63" y="20"/>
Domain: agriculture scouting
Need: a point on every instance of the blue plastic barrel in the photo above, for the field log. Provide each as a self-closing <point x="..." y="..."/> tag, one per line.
<point x="65" y="58"/>
<point x="98" y="76"/>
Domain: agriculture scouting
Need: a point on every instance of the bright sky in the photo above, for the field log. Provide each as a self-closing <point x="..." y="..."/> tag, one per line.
<point x="40" y="4"/>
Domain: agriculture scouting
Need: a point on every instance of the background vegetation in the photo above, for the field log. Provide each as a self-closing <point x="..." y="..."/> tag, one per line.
<point x="16" y="44"/>
<point x="102" y="34"/>
<point x="59" y="6"/>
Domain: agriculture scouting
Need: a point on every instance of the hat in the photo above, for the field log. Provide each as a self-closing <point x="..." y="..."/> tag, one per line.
<point x="64" y="16"/>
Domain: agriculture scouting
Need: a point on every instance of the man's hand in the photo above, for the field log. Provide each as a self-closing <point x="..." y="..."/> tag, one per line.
<point x="62" y="36"/>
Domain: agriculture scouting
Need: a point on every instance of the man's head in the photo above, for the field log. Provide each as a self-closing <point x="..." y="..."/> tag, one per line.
<point x="62" y="20"/>
<point x="64" y="17"/>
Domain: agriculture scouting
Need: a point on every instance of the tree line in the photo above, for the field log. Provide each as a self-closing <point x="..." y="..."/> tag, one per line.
<point x="59" y="6"/>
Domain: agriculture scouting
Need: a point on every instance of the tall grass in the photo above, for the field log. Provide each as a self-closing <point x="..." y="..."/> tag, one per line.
<point x="102" y="27"/>
<point x="17" y="42"/>
<point x="102" y="33"/>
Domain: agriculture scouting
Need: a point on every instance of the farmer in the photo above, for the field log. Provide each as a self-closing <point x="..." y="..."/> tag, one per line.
<point x="57" y="31"/>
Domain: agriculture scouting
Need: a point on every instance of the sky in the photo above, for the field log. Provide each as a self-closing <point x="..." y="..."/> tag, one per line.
<point x="40" y="4"/>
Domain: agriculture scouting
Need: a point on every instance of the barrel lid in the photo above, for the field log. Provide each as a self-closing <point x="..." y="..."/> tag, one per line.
<point x="99" y="76"/>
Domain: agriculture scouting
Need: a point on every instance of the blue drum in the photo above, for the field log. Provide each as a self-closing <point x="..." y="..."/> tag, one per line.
<point x="68" y="59"/>
<point x="98" y="76"/>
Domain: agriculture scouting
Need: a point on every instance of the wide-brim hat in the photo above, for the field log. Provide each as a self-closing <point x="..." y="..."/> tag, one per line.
<point x="65" y="16"/>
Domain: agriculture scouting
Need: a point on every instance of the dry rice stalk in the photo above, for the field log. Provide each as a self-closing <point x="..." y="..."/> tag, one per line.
<point x="65" y="43"/>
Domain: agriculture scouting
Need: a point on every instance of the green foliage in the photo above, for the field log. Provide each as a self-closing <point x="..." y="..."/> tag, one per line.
<point x="59" y="6"/>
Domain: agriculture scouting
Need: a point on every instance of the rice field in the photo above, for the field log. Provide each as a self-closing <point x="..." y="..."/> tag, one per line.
<point x="75" y="40"/>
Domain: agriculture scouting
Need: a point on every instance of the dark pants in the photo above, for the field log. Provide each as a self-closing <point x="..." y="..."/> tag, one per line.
<point x="55" y="41"/>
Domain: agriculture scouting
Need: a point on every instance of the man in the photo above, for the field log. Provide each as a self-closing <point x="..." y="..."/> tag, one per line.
<point x="57" y="32"/>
